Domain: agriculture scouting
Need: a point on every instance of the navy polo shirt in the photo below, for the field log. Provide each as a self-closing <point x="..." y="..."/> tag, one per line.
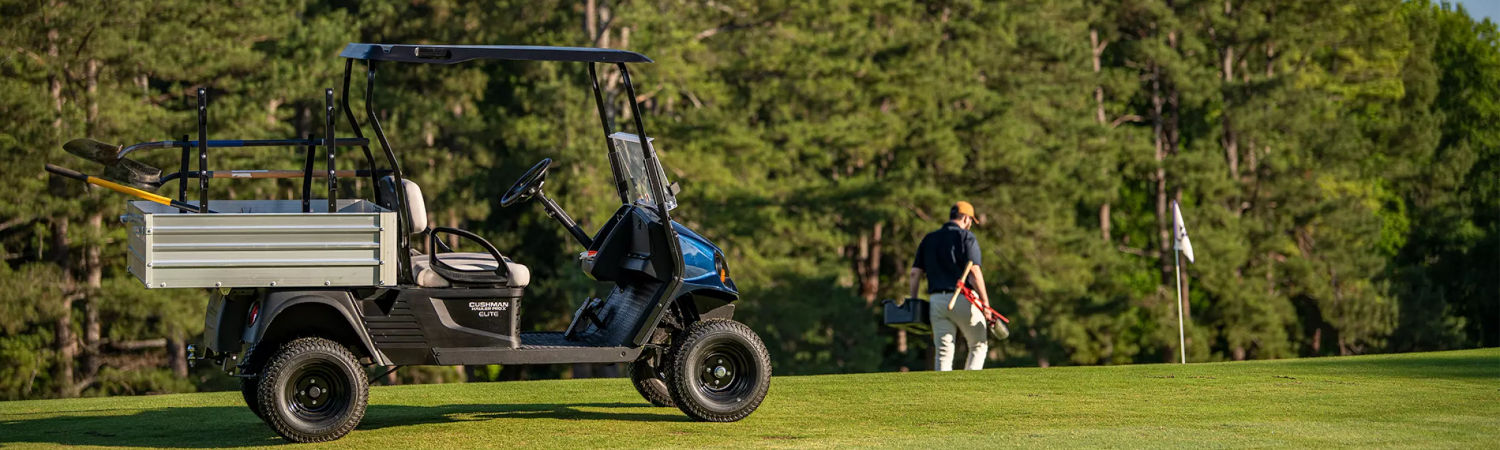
<point x="943" y="254"/>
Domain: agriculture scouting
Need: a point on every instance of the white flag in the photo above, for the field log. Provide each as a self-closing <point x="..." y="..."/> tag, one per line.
<point x="1179" y="233"/>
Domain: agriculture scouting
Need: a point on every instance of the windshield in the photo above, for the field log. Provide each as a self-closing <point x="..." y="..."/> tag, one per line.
<point x="633" y="170"/>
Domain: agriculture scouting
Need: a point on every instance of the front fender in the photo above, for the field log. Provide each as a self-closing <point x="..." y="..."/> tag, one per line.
<point x="699" y="259"/>
<point x="707" y="302"/>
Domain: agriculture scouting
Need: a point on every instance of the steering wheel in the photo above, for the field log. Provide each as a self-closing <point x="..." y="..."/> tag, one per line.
<point x="528" y="185"/>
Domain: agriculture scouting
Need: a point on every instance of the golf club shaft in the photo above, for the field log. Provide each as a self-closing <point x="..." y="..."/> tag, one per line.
<point x="127" y="190"/>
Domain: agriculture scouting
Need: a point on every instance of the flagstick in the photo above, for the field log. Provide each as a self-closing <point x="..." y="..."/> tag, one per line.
<point x="1181" y="336"/>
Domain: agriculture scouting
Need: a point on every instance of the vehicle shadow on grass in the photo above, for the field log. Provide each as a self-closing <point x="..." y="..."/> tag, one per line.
<point x="235" y="426"/>
<point x="186" y="427"/>
<point x="381" y="416"/>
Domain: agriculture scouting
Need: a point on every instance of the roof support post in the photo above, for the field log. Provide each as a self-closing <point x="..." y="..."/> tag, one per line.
<point x="354" y="123"/>
<point x="403" y="211"/>
<point x="614" y="165"/>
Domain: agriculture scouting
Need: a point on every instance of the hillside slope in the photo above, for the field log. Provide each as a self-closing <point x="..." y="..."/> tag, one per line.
<point x="1443" y="399"/>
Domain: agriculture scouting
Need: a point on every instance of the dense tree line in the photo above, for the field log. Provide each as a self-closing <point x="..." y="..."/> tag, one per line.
<point x="1337" y="163"/>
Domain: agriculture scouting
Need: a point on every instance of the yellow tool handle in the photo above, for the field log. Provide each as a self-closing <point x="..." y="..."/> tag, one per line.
<point x="127" y="190"/>
<point x="956" y="288"/>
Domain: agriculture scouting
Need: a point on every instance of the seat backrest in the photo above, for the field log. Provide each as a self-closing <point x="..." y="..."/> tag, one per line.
<point x="415" y="206"/>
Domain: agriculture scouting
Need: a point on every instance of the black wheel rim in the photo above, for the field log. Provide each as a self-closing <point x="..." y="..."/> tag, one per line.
<point x="318" y="391"/>
<point x="725" y="373"/>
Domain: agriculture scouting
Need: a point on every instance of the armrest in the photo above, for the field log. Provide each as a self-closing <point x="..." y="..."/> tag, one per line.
<point x="440" y="245"/>
<point x="456" y="274"/>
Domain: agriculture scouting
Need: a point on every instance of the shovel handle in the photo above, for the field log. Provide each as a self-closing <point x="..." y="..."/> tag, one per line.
<point x="67" y="173"/>
<point x="127" y="190"/>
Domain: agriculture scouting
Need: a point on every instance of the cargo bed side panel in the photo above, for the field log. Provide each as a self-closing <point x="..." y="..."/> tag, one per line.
<point x="262" y="246"/>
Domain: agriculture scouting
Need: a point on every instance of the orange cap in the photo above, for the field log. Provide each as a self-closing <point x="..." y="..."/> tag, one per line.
<point x="964" y="208"/>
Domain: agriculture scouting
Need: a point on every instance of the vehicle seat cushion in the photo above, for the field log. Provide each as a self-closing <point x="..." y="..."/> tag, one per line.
<point x="416" y="207"/>
<point x="520" y="275"/>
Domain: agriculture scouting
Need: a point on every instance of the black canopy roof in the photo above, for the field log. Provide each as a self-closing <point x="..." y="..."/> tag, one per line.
<point x="449" y="54"/>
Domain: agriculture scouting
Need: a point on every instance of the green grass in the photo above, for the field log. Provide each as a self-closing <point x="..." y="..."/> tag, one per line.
<point x="1444" y="399"/>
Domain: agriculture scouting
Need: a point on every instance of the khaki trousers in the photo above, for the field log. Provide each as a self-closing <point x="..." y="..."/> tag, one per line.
<point x="964" y="318"/>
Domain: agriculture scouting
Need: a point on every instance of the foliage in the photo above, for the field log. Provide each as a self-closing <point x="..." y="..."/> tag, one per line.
<point x="1336" y="164"/>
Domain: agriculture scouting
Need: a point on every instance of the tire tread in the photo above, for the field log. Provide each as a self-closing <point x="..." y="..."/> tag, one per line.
<point x="653" y="389"/>
<point x="678" y="379"/>
<point x="250" y="390"/>
<point x="359" y="386"/>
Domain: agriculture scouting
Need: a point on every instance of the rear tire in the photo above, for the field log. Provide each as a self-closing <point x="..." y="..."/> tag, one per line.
<point x="313" y="390"/>
<point x="649" y="380"/>
<point x="250" y="390"/>
<point x="719" y="371"/>
<point x="250" y="385"/>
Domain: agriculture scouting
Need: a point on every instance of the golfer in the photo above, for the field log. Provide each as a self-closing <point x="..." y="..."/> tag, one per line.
<point x="943" y="255"/>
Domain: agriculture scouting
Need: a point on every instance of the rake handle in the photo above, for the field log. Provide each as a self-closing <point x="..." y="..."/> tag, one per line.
<point x="957" y="288"/>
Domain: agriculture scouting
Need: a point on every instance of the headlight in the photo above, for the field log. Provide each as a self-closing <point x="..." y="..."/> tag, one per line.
<point x="721" y="267"/>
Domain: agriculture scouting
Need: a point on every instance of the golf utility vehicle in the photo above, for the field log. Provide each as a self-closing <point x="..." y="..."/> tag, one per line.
<point x="307" y="299"/>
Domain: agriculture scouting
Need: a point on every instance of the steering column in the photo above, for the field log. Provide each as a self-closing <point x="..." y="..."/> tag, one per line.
<point x="530" y="185"/>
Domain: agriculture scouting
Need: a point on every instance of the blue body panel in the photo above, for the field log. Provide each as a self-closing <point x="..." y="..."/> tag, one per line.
<point x="698" y="267"/>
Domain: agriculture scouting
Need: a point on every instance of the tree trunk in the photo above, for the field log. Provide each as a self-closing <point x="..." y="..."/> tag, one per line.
<point x="91" y="327"/>
<point x="1104" y="221"/>
<point x="91" y="75"/>
<point x="591" y="20"/>
<point x="1159" y="144"/>
<point x="64" y="342"/>
<point x="1164" y="112"/>
<point x="66" y="351"/>
<point x="1231" y="143"/>
<point x="95" y="268"/>
<point x="867" y="263"/>
<point x="1229" y="140"/>
<point x="177" y="356"/>
<point x="54" y="81"/>
<point x="1097" y="48"/>
<point x="1317" y="341"/>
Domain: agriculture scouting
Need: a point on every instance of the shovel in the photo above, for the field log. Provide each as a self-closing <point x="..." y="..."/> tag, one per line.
<point x="120" y="170"/>
<point x="127" y="190"/>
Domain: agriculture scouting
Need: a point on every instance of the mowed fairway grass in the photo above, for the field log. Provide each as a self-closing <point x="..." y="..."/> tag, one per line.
<point x="1442" y="399"/>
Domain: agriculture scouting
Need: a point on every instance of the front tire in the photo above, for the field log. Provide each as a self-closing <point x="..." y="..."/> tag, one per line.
<point x="649" y="379"/>
<point x="719" y="371"/>
<point x="313" y="390"/>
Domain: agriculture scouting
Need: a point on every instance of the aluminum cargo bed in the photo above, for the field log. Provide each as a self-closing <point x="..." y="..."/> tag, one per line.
<point x="262" y="243"/>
